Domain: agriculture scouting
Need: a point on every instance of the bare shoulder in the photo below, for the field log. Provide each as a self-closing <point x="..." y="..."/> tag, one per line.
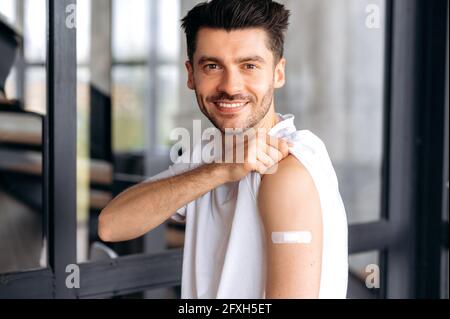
<point x="289" y="194"/>
<point x="291" y="178"/>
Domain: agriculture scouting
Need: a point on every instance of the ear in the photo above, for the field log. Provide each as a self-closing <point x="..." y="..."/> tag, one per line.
<point x="280" y="74"/>
<point x="190" y="71"/>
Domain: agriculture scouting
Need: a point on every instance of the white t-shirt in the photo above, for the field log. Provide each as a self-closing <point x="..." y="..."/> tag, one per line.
<point x="224" y="249"/>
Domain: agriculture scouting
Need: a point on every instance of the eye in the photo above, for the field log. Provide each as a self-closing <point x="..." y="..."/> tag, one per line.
<point x="211" y="66"/>
<point x="250" y="66"/>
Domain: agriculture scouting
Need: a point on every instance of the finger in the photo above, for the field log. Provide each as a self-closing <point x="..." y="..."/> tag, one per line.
<point x="275" y="154"/>
<point x="261" y="168"/>
<point x="284" y="148"/>
<point x="267" y="160"/>
<point x="273" y="141"/>
<point x="281" y="144"/>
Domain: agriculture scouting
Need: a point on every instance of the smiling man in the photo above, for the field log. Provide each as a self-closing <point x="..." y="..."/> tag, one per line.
<point x="249" y="234"/>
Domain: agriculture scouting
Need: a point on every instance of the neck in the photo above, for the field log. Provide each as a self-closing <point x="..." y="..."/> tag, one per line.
<point x="269" y="121"/>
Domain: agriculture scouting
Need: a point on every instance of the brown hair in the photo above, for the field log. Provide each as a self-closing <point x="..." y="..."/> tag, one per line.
<point x="238" y="14"/>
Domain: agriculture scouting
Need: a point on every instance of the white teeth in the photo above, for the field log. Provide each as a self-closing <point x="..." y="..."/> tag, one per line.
<point x="231" y="105"/>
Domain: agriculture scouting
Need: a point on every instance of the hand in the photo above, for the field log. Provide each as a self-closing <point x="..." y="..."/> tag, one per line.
<point x="257" y="152"/>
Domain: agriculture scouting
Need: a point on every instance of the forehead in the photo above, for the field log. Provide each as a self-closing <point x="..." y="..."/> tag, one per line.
<point x="225" y="45"/>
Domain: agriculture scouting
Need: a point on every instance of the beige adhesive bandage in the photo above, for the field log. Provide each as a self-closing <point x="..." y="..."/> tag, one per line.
<point x="292" y="237"/>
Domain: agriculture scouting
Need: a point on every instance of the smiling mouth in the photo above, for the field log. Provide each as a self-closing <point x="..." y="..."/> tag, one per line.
<point x="230" y="107"/>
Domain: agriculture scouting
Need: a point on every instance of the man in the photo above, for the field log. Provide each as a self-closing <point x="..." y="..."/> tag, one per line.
<point x="249" y="234"/>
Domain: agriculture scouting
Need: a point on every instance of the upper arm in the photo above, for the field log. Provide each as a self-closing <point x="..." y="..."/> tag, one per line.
<point x="288" y="201"/>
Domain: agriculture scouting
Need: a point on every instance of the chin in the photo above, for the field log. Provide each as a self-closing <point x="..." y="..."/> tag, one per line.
<point x="235" y="125"/>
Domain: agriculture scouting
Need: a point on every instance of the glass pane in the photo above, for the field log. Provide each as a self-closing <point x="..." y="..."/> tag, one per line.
<point x="167" y="79"/>
<point x="131" y="29"/>
<point x="22" y="219"/>
<point x="21" y="232"/>
<point x="335" y="70"/>
<point x="130" y="86"/>
<point x="83" y="127"/>
<point x="35" y="30"/>
<point x="10" y="86"/>
<point x="35" y="99"/>
<point x="83" y="29"/>
<point x="83" y="164"/>
<point x="8" y="10"/>
<point x="168" y="28"/>
<point x="364" y="276"/>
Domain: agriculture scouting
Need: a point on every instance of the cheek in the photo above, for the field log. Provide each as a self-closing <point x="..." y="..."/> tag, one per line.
<point x="259" y="85"/>
<point x="205" y="86"/>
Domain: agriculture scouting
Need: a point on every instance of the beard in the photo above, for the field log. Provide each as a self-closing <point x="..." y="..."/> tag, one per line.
<point x="258" y="113"/>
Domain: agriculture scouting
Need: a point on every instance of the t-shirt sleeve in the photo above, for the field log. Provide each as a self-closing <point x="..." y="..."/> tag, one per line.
<point x="173" y="170"/>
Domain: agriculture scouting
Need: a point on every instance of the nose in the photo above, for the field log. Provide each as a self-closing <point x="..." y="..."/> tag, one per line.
<point x="231" y="83"/>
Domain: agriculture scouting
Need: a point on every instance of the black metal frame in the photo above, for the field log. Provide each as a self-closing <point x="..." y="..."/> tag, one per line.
<point x="413" y="130"/>
<point x="431" y="115"/>
<point x="130" y="274"/>
<point x="60" y="149"/>
<point x="399" y="187"/>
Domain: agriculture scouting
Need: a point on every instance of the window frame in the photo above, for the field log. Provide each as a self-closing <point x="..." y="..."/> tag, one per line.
<point x="153" y="62"/>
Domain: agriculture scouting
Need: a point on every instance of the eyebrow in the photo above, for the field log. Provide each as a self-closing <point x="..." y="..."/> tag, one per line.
<point x="204" y="59"/>
<point x="254" y="58"/>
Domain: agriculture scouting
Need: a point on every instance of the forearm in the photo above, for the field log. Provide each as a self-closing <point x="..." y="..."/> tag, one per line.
<point x="146" y="206"/>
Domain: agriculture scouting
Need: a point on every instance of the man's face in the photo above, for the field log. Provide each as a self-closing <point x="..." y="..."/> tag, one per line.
<point x="234" y="76"/>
